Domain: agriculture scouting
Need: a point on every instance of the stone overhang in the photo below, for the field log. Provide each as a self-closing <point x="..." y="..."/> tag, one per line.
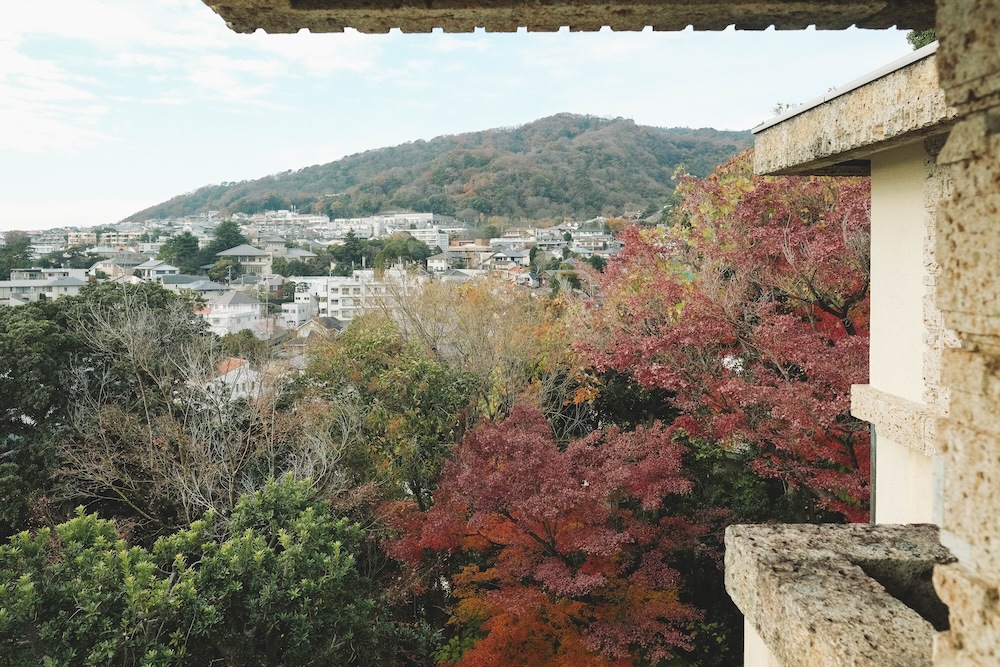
<point x="380" y="16"/>
<point x="833" y="135"/>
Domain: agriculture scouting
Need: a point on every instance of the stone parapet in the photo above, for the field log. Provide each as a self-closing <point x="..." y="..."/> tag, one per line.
<point x="835" y="134"/>
<point x="380" y="16"/>
<point x="818" y="595"/>
<point x="906" y="422"/>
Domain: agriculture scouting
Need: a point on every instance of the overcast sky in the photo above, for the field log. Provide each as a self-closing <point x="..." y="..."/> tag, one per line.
<point x="110" y="106"/>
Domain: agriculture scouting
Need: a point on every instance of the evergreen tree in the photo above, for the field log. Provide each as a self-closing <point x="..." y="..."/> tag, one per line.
<point x="15" y="253"/>
<point x="227" y="235"/>
<point x="182" y="251"/>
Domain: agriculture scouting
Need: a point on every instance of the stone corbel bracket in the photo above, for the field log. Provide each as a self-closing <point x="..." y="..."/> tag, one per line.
<point x="911" y="424"/>
<point x="820" y="594"/>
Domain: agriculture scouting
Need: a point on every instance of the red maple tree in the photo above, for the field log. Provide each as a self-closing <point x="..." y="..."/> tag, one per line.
<point x="753" y="308"/>
<point x="558" y="556"/>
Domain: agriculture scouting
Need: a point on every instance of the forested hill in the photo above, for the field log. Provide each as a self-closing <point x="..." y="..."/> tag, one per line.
<point x="563" y="165"/>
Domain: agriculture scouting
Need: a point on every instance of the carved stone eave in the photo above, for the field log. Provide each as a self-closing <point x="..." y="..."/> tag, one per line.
<point x="817" y="595"/>
<point x="380" y="16"/>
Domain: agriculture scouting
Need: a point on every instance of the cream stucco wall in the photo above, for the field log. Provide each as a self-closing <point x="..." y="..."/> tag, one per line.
<point x="905" y="479"/>
<point x="897" y="267"/>
<point x="901" y="266"/>
<point x="755" y="651"/>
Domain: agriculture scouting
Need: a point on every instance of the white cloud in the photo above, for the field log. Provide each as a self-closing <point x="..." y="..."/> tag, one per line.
<point x="176" y="41"/>
<point x="321" y="55"/>
<point x="43" y="107"/>
<point x="416" y="73"/>
<point x="116" y="25"/>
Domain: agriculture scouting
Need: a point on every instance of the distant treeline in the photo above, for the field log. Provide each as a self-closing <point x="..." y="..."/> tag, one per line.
<point x="562" y="166"/>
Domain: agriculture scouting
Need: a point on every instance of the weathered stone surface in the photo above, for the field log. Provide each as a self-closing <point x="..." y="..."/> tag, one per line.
<point x="904" y="105"/>
<point x="805" y="590"/>
<point x="908" y="423"/>
<point x="970" y="442"/>
<point x="970" y="41"/>
<point x="937" y="337"/>
<point x="973" y="640"/>
<point x="968" y="245"/>
<point x="379" y="16"/>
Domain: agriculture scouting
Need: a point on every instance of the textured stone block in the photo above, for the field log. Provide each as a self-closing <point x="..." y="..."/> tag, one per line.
<point x="968" y="246"/>
<point x="972" y="492"/>
<point x="973" y="639"/>
<point x="809" y="591"/>
<point x="970" y="52"/>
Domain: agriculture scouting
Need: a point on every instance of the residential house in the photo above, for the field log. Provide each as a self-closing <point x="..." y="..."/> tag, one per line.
<point x="176" y="281"/>
<point x="118" y="264"/>
<point x="154" y="270"/>
<point x="313" y="329"/>
<point x="204" y="288"/>
<point x="439" y="262"/>
<point x="36" y="273"/>
<point x="235" y="379"/>
<point x="252" y="260"/>
<point x="471" y="254"/>
<point x="594" y="242"/>
<point x="151" y="249"/>
<point x="297" y="253"/>
<point x="460" y="275"/>
<point x="274" y="245"/>
<point x="233" y="312"/>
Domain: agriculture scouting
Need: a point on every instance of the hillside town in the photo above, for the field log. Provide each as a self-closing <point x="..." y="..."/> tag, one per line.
<point x="273" y="306"/>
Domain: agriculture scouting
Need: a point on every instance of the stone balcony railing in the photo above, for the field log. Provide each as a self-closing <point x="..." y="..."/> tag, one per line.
<point x="838" y="595"/>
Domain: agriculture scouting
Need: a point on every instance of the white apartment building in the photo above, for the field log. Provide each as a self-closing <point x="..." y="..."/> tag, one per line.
<point x="36" y="273"/>
<point x="432" y="236"/>
<point x="377" y="226"/>
<point x="345" y="297"/>
<point x="17" y="292"/>
<point x="300" y="311"/>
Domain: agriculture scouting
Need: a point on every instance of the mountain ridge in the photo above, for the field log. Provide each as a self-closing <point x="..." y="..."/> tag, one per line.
<point x="566" y="165"/>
